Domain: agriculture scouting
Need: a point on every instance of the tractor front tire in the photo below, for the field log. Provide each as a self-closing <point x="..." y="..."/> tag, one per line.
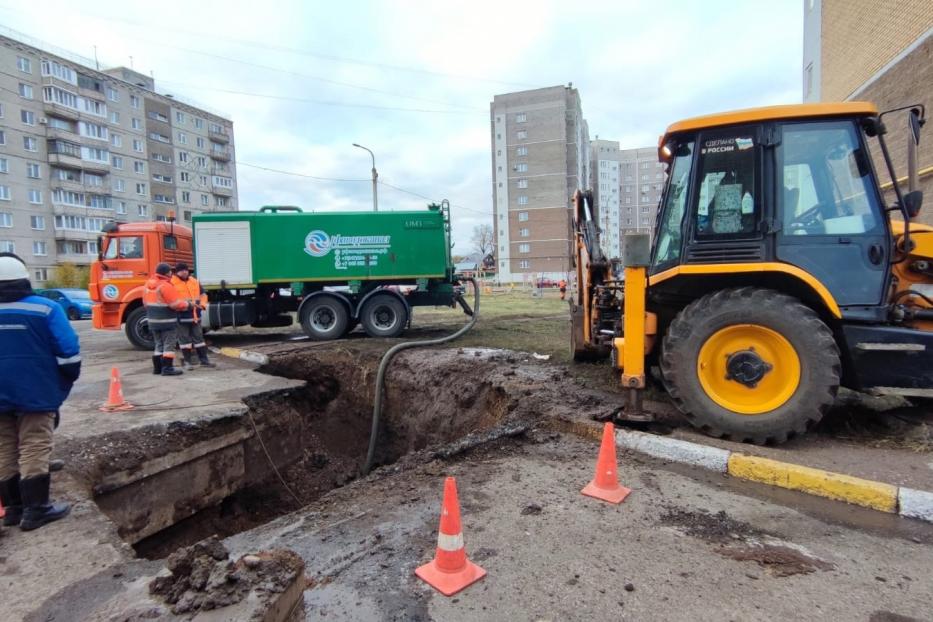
<point x="750" y="364"/>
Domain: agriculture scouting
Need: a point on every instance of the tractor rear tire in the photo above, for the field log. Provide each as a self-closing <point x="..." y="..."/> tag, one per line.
<point x="750" y="364"/>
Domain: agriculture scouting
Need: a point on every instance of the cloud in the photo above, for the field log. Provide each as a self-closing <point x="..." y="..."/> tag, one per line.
<point x="639" y="66"/>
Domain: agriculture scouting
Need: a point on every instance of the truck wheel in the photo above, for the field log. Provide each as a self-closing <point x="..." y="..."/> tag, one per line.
<point x="384" y="315"/>
<point x="74" y="314"/>
<point x="324" y="317"/>
<point x="750" y="364"/>
<point x="137" y="329"/>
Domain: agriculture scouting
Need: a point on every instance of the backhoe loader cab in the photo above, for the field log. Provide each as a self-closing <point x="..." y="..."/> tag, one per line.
<point x="776" y="274"/>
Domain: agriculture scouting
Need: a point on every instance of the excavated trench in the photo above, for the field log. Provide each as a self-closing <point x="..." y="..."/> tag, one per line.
<point x="172" y="486"/>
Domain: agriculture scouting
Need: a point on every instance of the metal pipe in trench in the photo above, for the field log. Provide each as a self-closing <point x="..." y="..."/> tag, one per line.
<point x="387" y="358"/>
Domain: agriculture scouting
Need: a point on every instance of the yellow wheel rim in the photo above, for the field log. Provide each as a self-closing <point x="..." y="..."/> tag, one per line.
<point x="773" y="361"/>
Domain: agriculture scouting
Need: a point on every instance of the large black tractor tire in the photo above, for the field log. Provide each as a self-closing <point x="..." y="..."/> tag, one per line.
<point x="324" y="317"/>
<point x="750" y="364"/>
<point x="137" y="329"/>
<point x="384" y="315"/>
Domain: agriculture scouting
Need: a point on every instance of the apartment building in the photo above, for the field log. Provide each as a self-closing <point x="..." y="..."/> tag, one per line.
<point x="605" y="185"/>
<point x="627" y="186"/>
<point x="540" y="156"/>
<point x="80" y="147"/>
<point x="880" y="52"/>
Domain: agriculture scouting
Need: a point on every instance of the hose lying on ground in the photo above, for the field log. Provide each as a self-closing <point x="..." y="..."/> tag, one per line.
<point x="387" y="358"/>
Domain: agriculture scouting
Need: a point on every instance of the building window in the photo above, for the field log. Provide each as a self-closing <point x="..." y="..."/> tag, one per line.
<point x="4" y="165"/>
<point x="186" y="197"/>
<point x="522" y="216"/>
<point x="808" y="81"/>
<point x="39" y="248"/>
<point x="521" y="167"/>
<point x="521" y="117"/>
<point x="179" y="117"/>
<point x="115" y="118"/>
<point x="521" y="151"/>
<point x="142" y="210"/>
<point x="521" y="134"/>
<point x="41" y="274"/>
<point x="25" y="91"/>
<point x="524" y="264"/>
<point x="524" y="232"/>
<point x="199" y="123"/>
<point x="139" y="167"/>
<point x="3" y="141"/>
<point x="200" y="142"/>
<point x="119" y="185"/>
<point x="7" y="246"/>
<point x="121" y="207"/>
<point x="33" y="170"/>
<point x="182" y="138"/>
<point x="523" y="200"/>
<point x="136" y="123"/>
<point x="35" y="197"/>
<point x="24" y="64"/>
<point x="134" y="101"/>
<point x="220" y="201"/>
<point x="28" y="117"/>
<point x="182" y="156"/>
<point x="117" y="162"/>
<point x="141" y="189"/>
<point x="30" y="143"/>
<point x="186" y="215"/>
<point x="204" y="199"/>
<point x="522" y="183"/>
<point x="116" y="140"/>
<point x="113" y="94"/>
<point x="138" y="146"/>
<point x="524" y="248"/>
<point x="6" y="219"/>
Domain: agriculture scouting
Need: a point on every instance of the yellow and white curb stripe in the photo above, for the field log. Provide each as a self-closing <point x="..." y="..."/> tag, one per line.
<point x="866" y="493"/>
<point x="243" y="355"/>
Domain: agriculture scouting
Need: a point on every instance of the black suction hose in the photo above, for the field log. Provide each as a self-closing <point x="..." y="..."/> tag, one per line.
<point x="387" y="358"/>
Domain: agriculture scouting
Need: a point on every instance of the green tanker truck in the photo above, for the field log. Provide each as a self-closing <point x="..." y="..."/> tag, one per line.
<point x="334" y="270"/>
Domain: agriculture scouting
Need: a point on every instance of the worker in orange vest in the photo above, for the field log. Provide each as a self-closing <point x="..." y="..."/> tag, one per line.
<point x="162" y="307"/>
<point x="190" y="335"/>
<point x="563" y="289"/>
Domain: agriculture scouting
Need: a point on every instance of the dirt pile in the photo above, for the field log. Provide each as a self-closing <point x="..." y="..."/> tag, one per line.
<point x="203" y="577"/>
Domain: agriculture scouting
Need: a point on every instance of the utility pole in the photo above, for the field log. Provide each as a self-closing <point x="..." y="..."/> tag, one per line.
<point x="375" y="178"/>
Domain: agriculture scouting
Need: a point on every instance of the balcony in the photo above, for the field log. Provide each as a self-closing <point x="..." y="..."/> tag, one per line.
<point x="222" y="155"/>
<point x="219" y="137"/>
<point x="222" y="192"/>
<point x="66" y="160"/>
<point x="57" y="110"/>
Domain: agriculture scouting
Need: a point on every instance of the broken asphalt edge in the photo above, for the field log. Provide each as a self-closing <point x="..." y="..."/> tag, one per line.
<point x="879" y="496"/>
<point x="907" y="502"/>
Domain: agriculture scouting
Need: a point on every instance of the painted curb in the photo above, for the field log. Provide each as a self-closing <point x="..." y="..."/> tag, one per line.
<point x="907" y="502"/>
<point x="915" y="503"/>
<point x="712" y="458"/>
<point x="855" y="490"/>
<point x="243" y="355"/>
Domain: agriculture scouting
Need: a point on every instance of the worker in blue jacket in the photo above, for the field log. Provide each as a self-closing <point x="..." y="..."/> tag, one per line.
<point x="39" y="363"/>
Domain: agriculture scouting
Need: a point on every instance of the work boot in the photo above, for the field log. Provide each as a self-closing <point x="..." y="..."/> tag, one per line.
<point x="187" y="355"/>
<point x="168" y="367"/>
<point x="202" y="356"/>
<point x="157" y="364"/>
<point x="11" y="500"/>
<point x="37" y="511"/>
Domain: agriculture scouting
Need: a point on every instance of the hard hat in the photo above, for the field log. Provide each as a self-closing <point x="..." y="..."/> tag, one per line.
<point x="164" y="269"/>
<point x="12" y="269"/>
<point x="180" y="266"/>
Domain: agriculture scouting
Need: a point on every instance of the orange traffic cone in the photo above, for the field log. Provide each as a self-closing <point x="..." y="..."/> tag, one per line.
<point x="605" y="485"/>
<point x="115" y="400"/>
<point x="450" y="571"/>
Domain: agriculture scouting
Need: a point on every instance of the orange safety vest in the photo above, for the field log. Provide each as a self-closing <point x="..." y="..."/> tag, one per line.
<point x="190" y="290"/>
<point x="162" y="302"/>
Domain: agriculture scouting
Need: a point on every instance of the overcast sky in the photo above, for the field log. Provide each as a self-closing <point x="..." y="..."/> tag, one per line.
<point x="412" y="81"/>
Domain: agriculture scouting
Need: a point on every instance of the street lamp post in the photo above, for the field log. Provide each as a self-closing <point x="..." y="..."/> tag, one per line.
<point x="375" y="177"/>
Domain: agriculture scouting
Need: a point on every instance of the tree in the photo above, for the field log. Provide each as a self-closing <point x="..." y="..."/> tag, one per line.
<point x="69" y="275"/>
<point x="482" y="239"/>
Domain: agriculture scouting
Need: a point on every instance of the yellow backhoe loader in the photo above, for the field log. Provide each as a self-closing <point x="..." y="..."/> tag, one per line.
<point x="776" y="273"/>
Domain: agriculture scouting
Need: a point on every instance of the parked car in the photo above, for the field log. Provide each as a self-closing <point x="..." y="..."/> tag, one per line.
<point x="75" y="302"/>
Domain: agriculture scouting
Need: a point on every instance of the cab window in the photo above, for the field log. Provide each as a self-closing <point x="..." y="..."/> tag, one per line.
<point x="827" y="185"/>
<point x="170" y="243"/>
<point x="727" y="205"/>
<point x="125" y="248"/>
<point x="671" y="216"/>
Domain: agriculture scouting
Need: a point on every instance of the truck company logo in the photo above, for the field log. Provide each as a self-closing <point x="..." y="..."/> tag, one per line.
<point x="111" y="292"/>
<point x="318" y="243"/>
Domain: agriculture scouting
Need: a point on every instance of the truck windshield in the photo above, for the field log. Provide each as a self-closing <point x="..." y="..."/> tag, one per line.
<point x="125" y="248"/>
